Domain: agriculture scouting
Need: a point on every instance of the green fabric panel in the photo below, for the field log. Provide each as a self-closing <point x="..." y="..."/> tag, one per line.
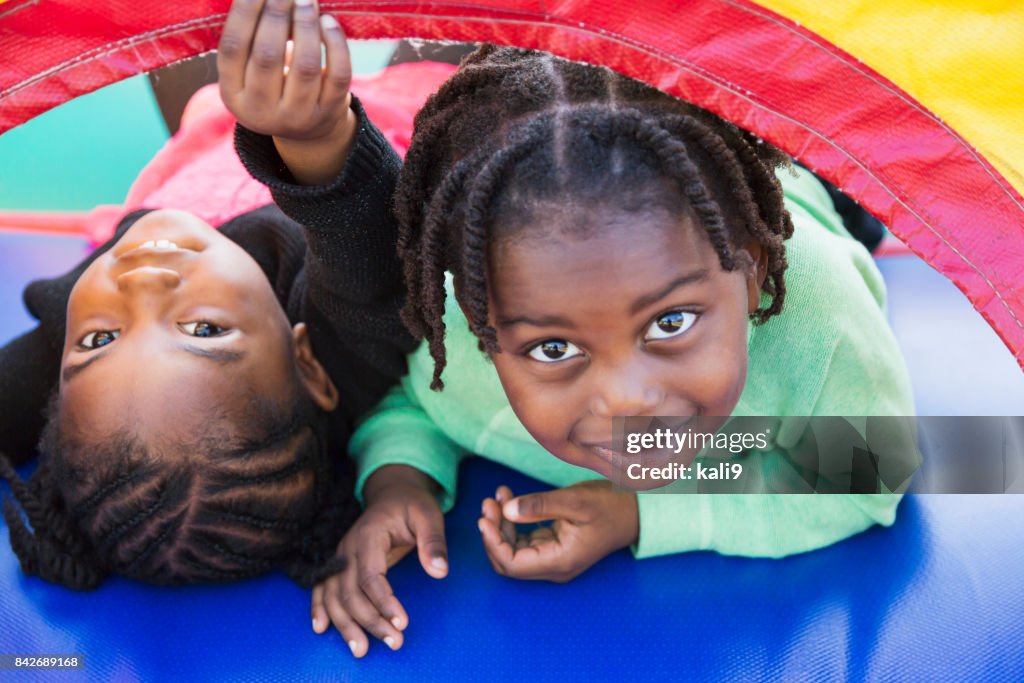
<point x="84" y="152"/>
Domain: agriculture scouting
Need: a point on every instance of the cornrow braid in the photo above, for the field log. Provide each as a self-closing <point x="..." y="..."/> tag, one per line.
<point x="250" y="505"/>
<point x="55" y="550"/>
<point x="516" y="129"/>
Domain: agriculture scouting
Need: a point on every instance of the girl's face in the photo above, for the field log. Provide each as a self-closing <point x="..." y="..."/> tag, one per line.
<point x="636" y="318"/>
<point x="172" y="327"/>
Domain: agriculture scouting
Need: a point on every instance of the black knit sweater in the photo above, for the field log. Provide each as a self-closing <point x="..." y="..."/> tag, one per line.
<point x="332" y="265"/>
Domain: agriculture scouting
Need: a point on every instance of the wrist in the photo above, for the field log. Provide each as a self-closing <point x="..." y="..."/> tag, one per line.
<point x="398" y="478"/>
<point x="319" y="159"/>
<point x="630" y="519"/>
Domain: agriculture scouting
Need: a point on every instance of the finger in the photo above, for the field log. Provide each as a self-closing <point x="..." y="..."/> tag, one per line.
<point x="538" y="507"/>
<point x="318" y="610"/>
<point x="427" y="524"/>
<point x="235" y="42"/>
<point x="540" y="556"/>
<point x="491" y="510"/>
<point x="371" y="573"/>
<point x="338" y="76"/>
<point x="499" y="551"/>
<point x="302" y="85"/>
<point x="503" y="494"/>
<point x="538" y="536"/>
<point x="508" y="527"/>
<point x="358" y="607"/>
<point x="346" y="625"/>
<point x="264" y="73"/>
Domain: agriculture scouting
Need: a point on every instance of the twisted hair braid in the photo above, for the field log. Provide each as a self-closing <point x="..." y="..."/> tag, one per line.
<point x="514" y="129"/>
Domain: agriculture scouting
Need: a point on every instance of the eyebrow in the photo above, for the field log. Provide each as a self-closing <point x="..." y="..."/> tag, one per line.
<point x="219" y="356"/>
<point x="638" y="305"/>
<point x="544" y="321"/>
<point x="648" y="299"/>
<point x="72" y="370"/>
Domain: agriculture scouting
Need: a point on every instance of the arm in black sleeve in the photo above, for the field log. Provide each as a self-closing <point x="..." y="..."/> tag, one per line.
<point x="28" y="375"/>
<point x="354" y="277"/>
<point x="30" y="364"/>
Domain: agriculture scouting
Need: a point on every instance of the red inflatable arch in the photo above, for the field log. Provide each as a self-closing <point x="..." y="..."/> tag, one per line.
<point x="747" y="63"/>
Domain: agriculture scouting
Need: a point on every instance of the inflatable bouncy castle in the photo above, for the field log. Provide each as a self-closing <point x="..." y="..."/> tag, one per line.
<point x="914" y="108"/>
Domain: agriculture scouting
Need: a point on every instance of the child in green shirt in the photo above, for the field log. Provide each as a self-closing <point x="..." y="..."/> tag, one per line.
<point x="614" y="252"/>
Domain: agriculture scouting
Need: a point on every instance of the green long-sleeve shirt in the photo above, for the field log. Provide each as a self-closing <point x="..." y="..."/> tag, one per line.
<point x="830" y="352"/>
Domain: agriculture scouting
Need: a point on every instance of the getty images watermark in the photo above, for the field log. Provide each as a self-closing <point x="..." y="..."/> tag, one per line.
<point x="853" y="454"/>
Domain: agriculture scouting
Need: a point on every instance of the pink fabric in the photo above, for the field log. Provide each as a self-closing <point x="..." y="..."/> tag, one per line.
<point x="198" y="170"/>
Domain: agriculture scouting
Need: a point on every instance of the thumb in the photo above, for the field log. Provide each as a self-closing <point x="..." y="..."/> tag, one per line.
<point x="427" y="525"/>
<point x="539" y="507"/>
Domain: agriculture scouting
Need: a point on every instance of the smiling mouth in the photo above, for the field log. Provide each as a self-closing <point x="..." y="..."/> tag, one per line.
<point x="612" y="457"/>
<point x="155" y="247"/>
<point x="162" y="254"/>
<point x="159" y="244"/>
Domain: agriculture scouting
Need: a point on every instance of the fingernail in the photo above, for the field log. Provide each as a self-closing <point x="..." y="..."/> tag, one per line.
<point x="328" y="22"/>
<point x="512" y="508"/>
<point x="439" y="563"/>
<point x="352" y="646"/>
<point x="397" y="623"/>
<point x="303" y="3"/>
<point x="390" y="642"/>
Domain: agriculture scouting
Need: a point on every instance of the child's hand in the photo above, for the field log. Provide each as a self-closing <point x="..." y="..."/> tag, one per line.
<point x="591" y="520"/>
<point x="401" y="514"/>
<point x="307" y="112"/>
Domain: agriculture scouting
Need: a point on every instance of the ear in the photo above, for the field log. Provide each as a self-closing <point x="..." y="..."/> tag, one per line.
<point x="314" y="378"/>
<point x="756" y="274"/>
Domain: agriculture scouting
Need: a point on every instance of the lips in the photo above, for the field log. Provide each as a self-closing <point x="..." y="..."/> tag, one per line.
<point x="617" y="461"/>
<point x="161" y="253"/>
<point x="160" y="246"/>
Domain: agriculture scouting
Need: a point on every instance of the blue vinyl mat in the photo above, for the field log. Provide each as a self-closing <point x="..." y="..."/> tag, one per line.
<point x="938" y="596"/>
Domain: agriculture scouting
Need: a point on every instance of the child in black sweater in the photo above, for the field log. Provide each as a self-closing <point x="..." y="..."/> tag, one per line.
<point x="194" y="389"/>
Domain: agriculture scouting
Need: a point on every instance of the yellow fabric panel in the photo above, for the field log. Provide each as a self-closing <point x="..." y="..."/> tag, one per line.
<point x="961" y="59"/>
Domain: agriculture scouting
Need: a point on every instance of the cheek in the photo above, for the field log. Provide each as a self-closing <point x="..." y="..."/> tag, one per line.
<point x="88" y="288"/>
<point x="714" y="377"/>
<point x="546" y="410"/>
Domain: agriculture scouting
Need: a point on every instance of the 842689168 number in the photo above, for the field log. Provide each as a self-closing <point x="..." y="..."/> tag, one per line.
<point x="9" y="662"/>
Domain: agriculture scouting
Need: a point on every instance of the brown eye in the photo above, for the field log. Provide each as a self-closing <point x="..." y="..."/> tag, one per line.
<point x="202" y="328"/>
<point x="554" y="350"/>
<point x="95" y="340"/>
<point x="671" y="324"/>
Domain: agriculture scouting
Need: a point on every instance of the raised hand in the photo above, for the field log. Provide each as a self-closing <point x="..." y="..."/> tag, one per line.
<point x="291" y="91"/>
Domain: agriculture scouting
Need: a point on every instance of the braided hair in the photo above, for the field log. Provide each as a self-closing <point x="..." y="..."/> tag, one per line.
<point x="516" y="132"/>
<point x="227" y="508"/>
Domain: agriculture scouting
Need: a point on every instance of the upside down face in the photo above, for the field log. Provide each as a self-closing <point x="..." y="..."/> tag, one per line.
<point x="174" y="326"/>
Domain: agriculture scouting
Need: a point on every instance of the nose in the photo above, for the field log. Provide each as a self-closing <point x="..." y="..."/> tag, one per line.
<point x="148" y="280"/>
<point x="627" y="389"/>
